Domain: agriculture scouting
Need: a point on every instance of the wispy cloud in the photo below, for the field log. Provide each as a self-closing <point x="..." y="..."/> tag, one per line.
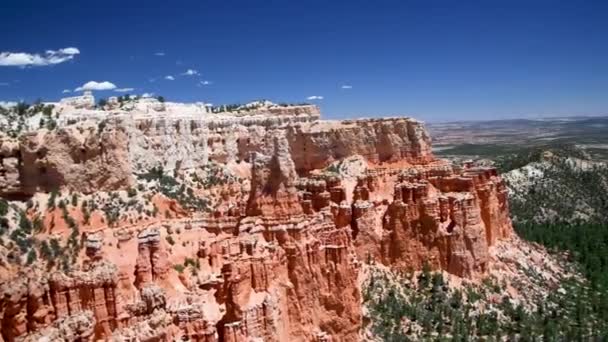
<point x="170" y="78"/>
<point x="315" y="97"/>
<point x="159" y="54"/>
<point x="93" y="85"/>
<point x="66" y="91"/>
<point x="205" y="82"/>
<point x="346" y="86"/>
<point x="123" y="90"/>
<point x="4" y="84"/>
<point x="190" y="72"/>
<point x="49" y="57"/>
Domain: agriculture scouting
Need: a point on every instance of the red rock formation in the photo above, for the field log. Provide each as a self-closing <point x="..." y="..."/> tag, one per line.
<point x="314" y="146"/>
<point x="78" y="327"/>
<point x="32" y="301"/>
<point x="91" y="290"/>
<point x="151" y="262"/>
<point x="448" y="221"/>
<point x="324" y="294"/>
<point x="25" y="305"/>
<point x="191" y="318"/>
<point x="282" y="265"/>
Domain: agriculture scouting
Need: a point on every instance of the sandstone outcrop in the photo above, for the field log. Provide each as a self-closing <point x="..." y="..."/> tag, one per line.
<point x="277" y="257"/>
<point x="81" y="158"/>
<point x="448" y="221"/>
<point x="33" y="300"/>
<point x="273" y="191"/>
<point x="78" y="327"/>
<point x="10" y="158"/>
<point x="151" y="261"/>
<point x="316" y="145"/>
<point x="87" y="157"/>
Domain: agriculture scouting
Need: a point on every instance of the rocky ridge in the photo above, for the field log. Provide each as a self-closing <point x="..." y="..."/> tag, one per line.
<point x="275" y="256"/>
<point x="565" y="187"/>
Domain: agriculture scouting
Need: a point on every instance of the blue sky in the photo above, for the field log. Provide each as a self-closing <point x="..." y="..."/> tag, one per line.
<point x="435" y="60"/>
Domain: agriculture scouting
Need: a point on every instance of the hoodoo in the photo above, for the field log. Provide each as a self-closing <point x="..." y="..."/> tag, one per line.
<point x="160" y="225"/>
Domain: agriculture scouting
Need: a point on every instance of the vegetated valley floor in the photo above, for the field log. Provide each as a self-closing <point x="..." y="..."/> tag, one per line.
<point x="558" y="182"/>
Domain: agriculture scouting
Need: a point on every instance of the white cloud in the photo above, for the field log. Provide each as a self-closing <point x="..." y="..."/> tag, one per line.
<point x="170" y="78"/>
<point x="205" y="82"/>
<point x="50" y="57"/>
<point x="123" y="90"/>
<point x="147" y="94"/>
<point x="8" y="104"/>
<point x="69" y="51"/>
<point x="160" y="54"/>
<point x="65" y="91"/>
<point x="346" y="86"/>
<point x="190" y="72"/>
<point x="315" y="97"/>
<point x="93" y="85"/>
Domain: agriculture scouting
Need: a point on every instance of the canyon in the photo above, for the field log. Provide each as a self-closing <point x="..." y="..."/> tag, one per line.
<point x="289" y="208"/>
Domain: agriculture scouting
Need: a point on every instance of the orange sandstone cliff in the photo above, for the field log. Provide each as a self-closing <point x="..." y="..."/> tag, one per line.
<point x="274" y="255"/>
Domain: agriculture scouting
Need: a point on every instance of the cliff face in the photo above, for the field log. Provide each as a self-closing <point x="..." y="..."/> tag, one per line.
<point x="104" y="157"/>
<point x="449" y="221"/>
<point x="10" y="157"/>
<point x="32" y="301"/>
<point x="315" y="146"/>
<point x="188" y="143"/>
<point x="82" y="158"/>
<point x="278" y="258"/>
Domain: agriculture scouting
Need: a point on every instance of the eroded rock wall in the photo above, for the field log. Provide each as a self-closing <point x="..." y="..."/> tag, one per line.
<point x="87" y="157"/>
<point x="33" y="300"/>
<point x="280" y="265"/>
<point x="315" y="146"/>
<point x="79" y="157"/>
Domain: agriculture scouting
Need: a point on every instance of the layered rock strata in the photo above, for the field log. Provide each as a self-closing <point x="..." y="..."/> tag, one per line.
<point x="280" y="266"/>
<point x="91" y="157"/>
<point x="82" y="158"/>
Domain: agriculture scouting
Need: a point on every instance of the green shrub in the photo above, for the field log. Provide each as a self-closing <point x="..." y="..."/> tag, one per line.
<point x="170" y="240"/>
<point x="132" y="192"/>
<point x="56" y="247"/>
<point x="45" y="251"/>
<point x="37" y="224"/>
<point x="24" y="223"/>
<point x="3" y="207"/>
<point x="192" y="262"/>
<point x="31" y="257"/>
<point x="179" y="268"/>
<point x="101" y="125"/>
